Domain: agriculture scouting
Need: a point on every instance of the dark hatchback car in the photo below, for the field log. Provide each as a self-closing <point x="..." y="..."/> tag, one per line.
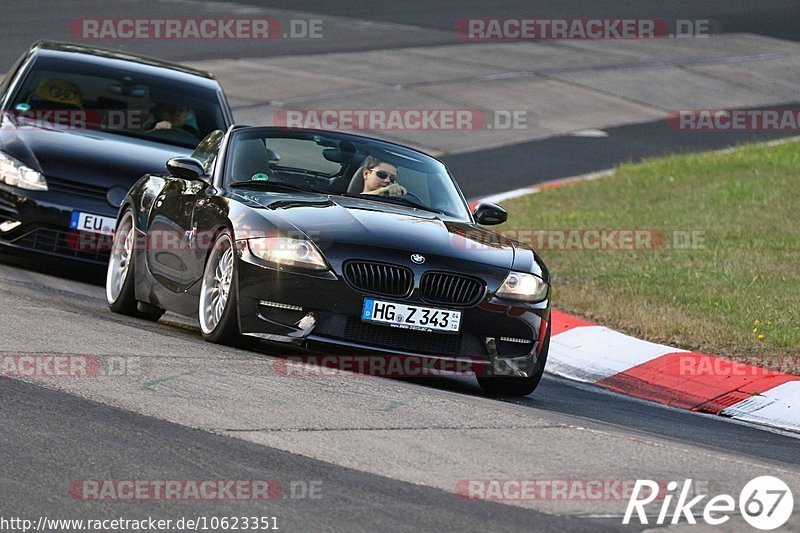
<point x="79" y="126"/>
<point x="332" y="242"/>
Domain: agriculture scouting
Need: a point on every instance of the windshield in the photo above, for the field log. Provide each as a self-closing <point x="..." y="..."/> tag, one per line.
<point x="337" y="163"/>
<point x="86" y="96"/>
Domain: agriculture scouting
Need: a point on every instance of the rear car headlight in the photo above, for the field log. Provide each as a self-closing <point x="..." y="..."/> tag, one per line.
<point x="285" y="251"/>
<point x="523" y="287"/>
<point x="16" y="174"/>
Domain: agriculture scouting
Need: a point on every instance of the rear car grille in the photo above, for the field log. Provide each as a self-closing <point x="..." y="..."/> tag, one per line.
<point x="379" y="278"/>
<point x="450" y="289"/>
<point x="77" y="188"/>
<point x="92" y="247"/>
<point x="353" y="329"/>
<point x="7" y="204"/>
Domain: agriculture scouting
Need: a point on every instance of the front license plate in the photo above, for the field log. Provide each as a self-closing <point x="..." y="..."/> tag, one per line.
<point x="92" y="223"/>
<point x="411" y="316"/>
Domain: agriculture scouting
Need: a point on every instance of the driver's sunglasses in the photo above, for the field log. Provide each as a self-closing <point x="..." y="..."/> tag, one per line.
<point x="382" y="174"/>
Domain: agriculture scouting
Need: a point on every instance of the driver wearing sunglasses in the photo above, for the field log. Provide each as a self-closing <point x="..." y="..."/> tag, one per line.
<point x="380" y="178"/>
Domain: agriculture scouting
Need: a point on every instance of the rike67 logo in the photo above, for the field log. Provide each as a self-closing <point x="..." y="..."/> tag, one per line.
<point x="766" y="503"/>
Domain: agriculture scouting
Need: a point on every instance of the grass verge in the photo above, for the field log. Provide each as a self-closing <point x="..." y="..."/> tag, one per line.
<point x="721" y="273"/>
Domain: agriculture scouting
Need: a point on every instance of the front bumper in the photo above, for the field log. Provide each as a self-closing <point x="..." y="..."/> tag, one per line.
<point x="44" y="224"/>
<point x="321" y="312"/>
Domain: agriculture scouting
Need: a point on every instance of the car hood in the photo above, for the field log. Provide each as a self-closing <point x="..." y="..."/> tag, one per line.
<point x="94" y="157"/>
<point x="339" y="221"/>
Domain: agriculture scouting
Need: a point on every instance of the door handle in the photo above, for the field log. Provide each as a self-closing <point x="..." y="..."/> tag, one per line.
<point x="191" y="235"/>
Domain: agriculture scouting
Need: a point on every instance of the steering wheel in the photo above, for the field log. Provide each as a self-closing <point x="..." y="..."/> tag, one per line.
<point x="408" y="193"/>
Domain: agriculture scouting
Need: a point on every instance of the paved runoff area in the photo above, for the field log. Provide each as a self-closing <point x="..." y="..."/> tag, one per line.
<point x="515" y="92"/>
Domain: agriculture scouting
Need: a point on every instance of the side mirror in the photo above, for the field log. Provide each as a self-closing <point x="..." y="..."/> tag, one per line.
<point x="186" y="168"/>
<point x="489" y="214"/>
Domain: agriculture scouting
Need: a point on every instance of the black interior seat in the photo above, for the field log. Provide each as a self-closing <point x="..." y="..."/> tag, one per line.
<point x="357" y="181"/>
<point x="250" y="157"/>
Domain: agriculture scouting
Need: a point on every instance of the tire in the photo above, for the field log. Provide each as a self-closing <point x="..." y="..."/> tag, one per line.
<point x="218" y="314"/>
<point x="121" y="277"/>
<point x="511" y="386"/>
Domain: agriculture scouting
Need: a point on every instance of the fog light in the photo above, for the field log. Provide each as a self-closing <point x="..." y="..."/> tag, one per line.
<point x="506" y="366"/>
<point x="279" y="305"/>
<point x="513" y="339"/>
<point x="8" y="225"/>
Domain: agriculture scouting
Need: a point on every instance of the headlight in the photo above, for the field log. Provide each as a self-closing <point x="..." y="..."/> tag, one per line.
<point x="16" y="174"/>
<point x="286" y="251"/>
<point x="524" y="287"/>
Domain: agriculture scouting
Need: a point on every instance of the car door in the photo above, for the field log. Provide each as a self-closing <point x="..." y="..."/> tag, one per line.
<point x="206" y="213"/>
<point x="169" y="234"/>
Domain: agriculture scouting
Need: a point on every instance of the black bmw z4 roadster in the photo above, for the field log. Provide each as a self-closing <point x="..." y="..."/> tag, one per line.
<point x="333" y="242"/>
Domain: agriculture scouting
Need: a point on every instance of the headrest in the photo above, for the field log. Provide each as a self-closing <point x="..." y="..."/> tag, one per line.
<point x="357" y="182"/>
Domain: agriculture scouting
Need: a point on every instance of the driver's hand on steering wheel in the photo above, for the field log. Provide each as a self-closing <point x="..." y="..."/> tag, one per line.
<point x="391" y="190"/>
<point x="162" y="125"/>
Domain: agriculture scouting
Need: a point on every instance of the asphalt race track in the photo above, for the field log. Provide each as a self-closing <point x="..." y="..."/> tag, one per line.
<point x="769" y="18"/>
<point x="147" y="447"/>
<point x="121" y="427"/>
<point x="564" y="156"/>
<point x="381" y="454"/>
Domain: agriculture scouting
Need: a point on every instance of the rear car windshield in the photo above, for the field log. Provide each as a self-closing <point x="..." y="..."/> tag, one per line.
<point x="84" y="95"/>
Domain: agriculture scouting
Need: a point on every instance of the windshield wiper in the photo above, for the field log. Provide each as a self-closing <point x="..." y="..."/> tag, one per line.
<point x="143" y="135"/>
<point x="269" y="184"/>
<point x="397" y="200"/>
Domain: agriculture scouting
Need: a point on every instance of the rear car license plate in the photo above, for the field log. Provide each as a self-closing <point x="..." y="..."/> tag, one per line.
<point x="92" y="223"/>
